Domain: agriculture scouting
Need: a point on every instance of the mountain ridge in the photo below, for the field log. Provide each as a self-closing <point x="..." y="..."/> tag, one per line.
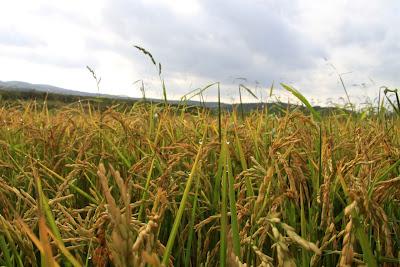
<point x="24" y="86"/>
<point x="25" y="90"/>
<point x="21" y="86"/>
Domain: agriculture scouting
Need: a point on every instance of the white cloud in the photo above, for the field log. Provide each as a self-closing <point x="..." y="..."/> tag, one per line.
<point x="199" y="42"/>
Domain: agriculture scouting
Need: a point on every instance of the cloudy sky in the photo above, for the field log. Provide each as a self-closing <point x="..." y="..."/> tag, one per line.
<point x="199" y="42"/>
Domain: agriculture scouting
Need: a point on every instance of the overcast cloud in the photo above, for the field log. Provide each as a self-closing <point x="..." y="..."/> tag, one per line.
<point x="199" y="42"/>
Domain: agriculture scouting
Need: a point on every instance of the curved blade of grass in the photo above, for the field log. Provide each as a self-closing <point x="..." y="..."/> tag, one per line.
<point x="64" y="250"/>
<point x="197" y="92"/>
<point x="386" y="91"/>
<point x="164" y="92"/>
<point x="146" y="190"/>
<point x="368" y="255"/>
<point x="232" y="205"/>
<point x="304" y="100"/>
<point x="224" y="218"/>
<point x="249" y="91"/>
<point x="345" y="90"/>
<point x="271" y="89"/>
<point x="185" y="96"/>
<point x="191" y="224"/>
<point x="46" y="257"/>
<point x="217" y="181"/>
<point x="178" y="218"/>
<point x="45" y="208"/>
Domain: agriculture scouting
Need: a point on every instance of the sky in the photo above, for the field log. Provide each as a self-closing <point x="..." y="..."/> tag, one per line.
<point x="301" y="43"/>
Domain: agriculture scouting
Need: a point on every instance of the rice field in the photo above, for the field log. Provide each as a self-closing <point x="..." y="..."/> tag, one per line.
<point x="156" y="185"/>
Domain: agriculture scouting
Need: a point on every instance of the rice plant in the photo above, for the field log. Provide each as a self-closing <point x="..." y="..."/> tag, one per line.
<point x="177" y="188"/>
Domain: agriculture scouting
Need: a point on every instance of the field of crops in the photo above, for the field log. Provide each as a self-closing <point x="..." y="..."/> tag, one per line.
<point x="149" y="185"/>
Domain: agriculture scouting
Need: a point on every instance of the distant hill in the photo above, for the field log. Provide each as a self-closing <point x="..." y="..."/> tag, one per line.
<point x="21" y="89"/>
<point x="13" y="90"/>
<point x="25" y="87"/>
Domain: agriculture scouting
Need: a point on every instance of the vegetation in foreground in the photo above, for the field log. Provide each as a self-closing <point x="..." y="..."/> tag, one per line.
<point x="146" y="185"/>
